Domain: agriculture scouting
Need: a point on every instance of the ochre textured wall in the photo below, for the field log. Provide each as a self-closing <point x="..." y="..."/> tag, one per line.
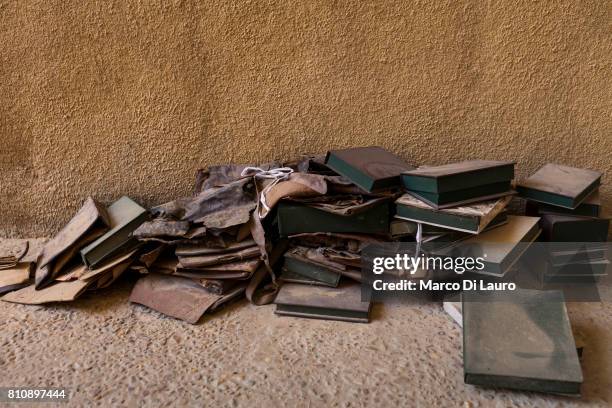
<point x="131" y="97"/>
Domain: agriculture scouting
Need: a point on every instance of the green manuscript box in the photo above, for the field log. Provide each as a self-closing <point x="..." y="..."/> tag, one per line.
<point x="520" y="340"/>
<point x="371" y="168"/>
<point x="298" y="219"/>
<point x="125" y="216"/>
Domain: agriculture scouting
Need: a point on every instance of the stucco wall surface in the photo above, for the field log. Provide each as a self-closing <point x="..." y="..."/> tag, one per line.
<point x="131" y="97"/>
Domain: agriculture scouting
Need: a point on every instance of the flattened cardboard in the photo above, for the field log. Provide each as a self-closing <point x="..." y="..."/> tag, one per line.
<point x="235" y="271"/>
<point x="218" y="286"/>
<point x="246" y="267"/>
<point x="90" y="220"/>
<point x="220" y="207"/>
<point x="189" y="262"/>
<point x="205" y="249"/>
<point x="16" y="277"/>
<point x="149" y="256"/>
<point x="298" y="185"/>
<point x="69" y="254"/>
<point x="161" y="227"/>
<point x="203" y="274"/>
<point x="164" y="265"/>
<point x="10" y="261"/>
<point x="90" y="213"/>
<point x="220" y="175"/>
<point x="73" y="273"/>
<point x="173" y="296"/>
<point x="111" y="264"/>
<point x="56" y="292"/>
<point x="109" y="277"/>
<point x="233" y="294"/>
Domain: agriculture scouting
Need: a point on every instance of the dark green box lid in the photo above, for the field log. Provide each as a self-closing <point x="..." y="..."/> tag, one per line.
<point x="458" y="176"/>
<point x="590" y="207"/>
<point x="574" y="228"/>
<point x="371" y="168"/>
<point x="521" y="340"/>
<point x="300" y="218"/>
<point x="467" y="196"/>
<point x="560" y="185"/>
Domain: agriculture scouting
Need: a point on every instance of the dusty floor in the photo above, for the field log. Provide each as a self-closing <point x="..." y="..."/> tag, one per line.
<point x="110" y="352"/>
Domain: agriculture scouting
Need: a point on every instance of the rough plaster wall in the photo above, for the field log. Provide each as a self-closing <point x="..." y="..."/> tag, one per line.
<point x="131" y="97"/>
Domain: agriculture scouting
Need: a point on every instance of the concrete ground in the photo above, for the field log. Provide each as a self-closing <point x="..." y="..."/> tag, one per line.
<point x="112" y="353"/>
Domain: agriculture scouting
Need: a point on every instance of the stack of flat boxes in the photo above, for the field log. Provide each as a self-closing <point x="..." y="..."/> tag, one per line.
<point x="322" y="268"/>
<point x="567" y="200"/>
<point x="468" y="200"/>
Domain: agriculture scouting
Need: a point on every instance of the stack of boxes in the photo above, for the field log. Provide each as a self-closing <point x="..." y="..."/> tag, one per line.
<point x="468" y="199"/>
<point x="322" y="268"/>
<point x="567" y="200"/>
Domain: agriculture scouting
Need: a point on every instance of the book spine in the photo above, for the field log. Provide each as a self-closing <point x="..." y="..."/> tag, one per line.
<point x="349" y="172"/>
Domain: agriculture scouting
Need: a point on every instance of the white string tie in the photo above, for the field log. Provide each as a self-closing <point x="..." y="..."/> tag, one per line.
<point x="276" y="175"/>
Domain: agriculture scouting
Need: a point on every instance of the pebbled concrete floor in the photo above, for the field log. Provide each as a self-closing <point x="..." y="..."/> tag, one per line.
<point x="110" y="353"/>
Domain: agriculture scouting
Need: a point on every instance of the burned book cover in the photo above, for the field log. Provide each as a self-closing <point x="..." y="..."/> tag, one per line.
<point x="17" y="277"/>
<point x="174" y="296"/>
<point x="91" y="220"/>
<point x="55" y="292"/>
<point x="197" y="261"/>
